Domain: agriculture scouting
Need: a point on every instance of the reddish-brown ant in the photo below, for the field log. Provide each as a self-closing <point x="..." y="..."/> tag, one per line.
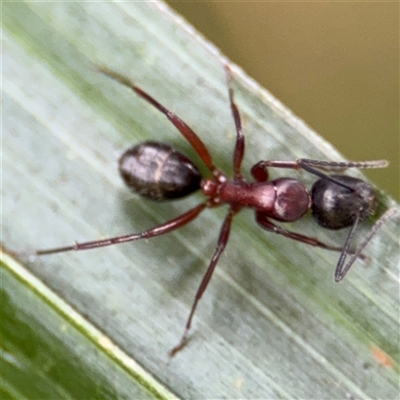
<point x="158" y="172"/>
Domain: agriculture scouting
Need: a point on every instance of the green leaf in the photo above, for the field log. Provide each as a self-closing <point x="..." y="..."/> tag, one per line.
<point x="272" y="323"/>
<point x="50" y="351"/>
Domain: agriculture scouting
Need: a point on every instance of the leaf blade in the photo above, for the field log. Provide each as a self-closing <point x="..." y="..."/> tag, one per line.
<point x="69" y="134"/>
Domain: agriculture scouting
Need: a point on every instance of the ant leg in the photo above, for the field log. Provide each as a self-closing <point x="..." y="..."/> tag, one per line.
<point x="240" y="141"/>
<point x="342" y="165"/>
<point x="260" y="173"/>
<point x="340" y="271"/>
<point x="182" y="127"/>
<point x="159" y="230"/>
<point x="265" y="223"/>
<point x="314" y="166"/>
<point x="222" y="241"/>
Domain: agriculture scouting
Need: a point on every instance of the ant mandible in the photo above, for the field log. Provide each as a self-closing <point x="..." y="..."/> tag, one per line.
<point x="158" y="172"/>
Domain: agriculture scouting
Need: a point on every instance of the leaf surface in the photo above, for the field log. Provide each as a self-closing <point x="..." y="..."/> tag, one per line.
<point x="272" y="323"/>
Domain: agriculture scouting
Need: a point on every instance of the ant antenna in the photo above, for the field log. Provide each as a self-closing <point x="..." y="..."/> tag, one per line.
<point x="341" y="272"/>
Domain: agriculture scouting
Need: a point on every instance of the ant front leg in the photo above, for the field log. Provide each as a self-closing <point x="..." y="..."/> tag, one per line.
<point x="260" y="173"/>
<point x="263" y="220"/>
<point x="312" y="165"/>
<point x="315" y="166"/>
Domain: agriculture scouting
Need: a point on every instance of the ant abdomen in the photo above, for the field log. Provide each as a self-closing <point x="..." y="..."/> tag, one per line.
<point x="336" y="207"/>
<point x="158" y="172"/>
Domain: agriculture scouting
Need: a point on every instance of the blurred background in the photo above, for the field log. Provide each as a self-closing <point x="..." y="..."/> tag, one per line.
<point x="335" y="65"/>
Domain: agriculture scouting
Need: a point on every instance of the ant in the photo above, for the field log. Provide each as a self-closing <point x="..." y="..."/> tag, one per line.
<point x="158" y="172"/>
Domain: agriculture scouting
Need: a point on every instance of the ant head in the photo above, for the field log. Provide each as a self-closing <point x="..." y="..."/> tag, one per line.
<point x="338" y="206"/>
